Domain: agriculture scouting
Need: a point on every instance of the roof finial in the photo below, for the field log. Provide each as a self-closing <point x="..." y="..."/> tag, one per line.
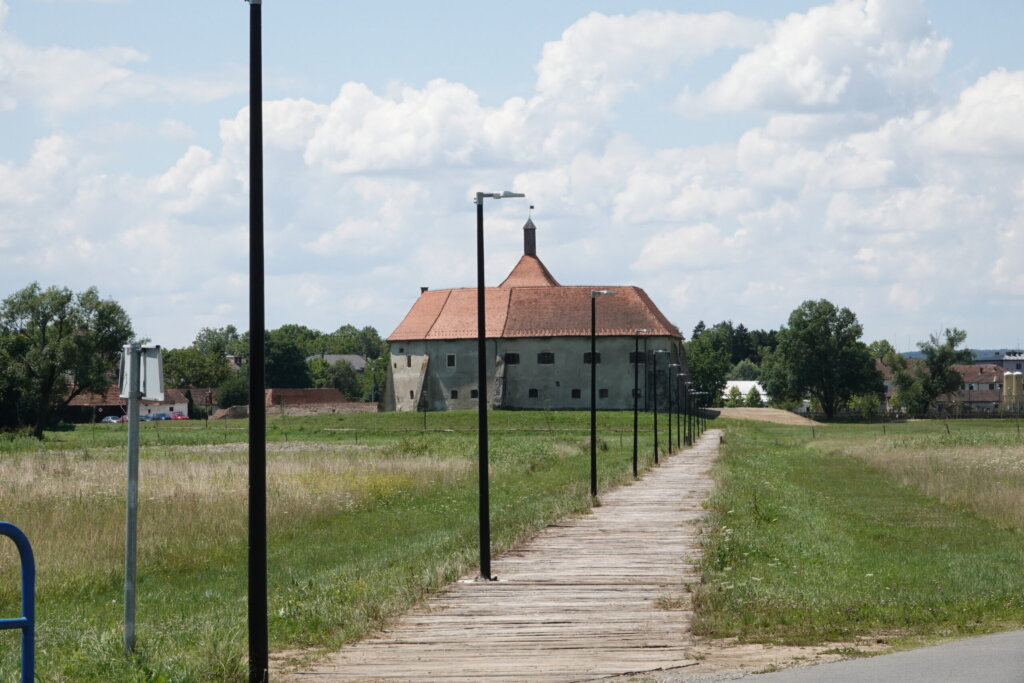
<point x="530" y="237"/>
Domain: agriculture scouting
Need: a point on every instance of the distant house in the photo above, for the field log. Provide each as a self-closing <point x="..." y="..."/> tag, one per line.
<point x="745" y="385"/>
<point x="537" y="345"/>
<point x="981" y="389"/>
<point x="357" y="362"/>
<point x="94" y="407"/>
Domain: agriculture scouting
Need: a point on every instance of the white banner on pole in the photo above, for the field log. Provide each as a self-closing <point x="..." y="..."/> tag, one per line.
<point x="151" y="379"/>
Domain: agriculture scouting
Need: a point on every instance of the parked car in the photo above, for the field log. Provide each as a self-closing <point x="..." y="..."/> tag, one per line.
<point x="123" y="418"/>
<point x="179" y="416"/>
<point x="145" y="418"/>
<point x="159" y="416"/>
<point x="111" y="419"/>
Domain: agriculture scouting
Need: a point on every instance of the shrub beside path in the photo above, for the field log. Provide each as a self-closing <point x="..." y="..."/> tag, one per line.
<point x="595" y="596"/>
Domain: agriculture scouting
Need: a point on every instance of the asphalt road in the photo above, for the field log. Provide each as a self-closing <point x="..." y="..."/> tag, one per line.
<point x="988" y="659"/>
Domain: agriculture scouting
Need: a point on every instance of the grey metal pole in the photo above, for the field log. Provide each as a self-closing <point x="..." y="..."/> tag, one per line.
<point x="132" y="516"/>
<point x="481" y="392"/>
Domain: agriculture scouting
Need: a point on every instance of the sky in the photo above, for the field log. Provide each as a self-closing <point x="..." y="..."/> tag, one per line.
<point x="733" y="158"/>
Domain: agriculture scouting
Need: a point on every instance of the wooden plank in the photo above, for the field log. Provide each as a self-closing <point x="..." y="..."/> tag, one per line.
<point x="579" y="600"/>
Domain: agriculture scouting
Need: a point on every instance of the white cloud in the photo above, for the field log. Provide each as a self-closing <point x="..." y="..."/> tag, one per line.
<point x="599" y="58"/>
<point x="850" y="55"/>
<point x="62" y="79"/>
<point x="686" y="246"/>
<point x="35" y="181"/>
<point x="985" y="121"/>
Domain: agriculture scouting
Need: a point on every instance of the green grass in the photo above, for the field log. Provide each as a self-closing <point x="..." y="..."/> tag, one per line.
<point x="812" y="537"/>
<point x="367" y="514"/>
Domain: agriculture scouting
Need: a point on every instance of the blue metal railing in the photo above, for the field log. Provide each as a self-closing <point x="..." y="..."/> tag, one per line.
<point x="27" y="621"/>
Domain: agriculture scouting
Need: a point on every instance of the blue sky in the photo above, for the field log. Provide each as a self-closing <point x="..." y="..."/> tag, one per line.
<point x="732" y="158"/>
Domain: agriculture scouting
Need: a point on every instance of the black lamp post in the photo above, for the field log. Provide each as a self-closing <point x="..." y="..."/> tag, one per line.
<point x="259" y="654"/>
<point x="636" y="390"/>
<point x="689" y="410"/>
<point x="594" y="293"/>
<point x="671" y="410"/>
<point x="681" y="435"/>
<point x="481" y="392"/>
<point x="654" y="398"/>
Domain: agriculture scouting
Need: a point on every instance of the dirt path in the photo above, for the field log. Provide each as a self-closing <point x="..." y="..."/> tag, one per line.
<point x="775" y="415"/>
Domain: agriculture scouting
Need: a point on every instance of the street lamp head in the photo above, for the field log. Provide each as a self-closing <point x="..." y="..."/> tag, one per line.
<point x="659" y="351"/>
<point x="480" y="196"/>
<point x="597" y="292"/>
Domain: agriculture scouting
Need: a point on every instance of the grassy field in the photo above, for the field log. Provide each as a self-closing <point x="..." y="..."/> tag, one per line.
<point x="367" y="514"/>
<point x="909" y="534"/>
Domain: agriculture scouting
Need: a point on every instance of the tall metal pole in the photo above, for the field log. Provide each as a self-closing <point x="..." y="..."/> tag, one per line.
<point x="636" y="392"/>
<point x="654" y="400"/>
<point x="593" y="394"/>
<point x="132" y="516"/>
<point x="258" y="641"/>
<point x="481" y="392"/>
<point x="668" y="377"/>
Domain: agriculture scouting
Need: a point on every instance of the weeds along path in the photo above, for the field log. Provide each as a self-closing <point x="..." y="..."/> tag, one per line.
<point x="595" y="596"/>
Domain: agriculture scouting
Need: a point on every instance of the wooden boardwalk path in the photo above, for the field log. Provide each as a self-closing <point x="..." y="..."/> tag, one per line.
<point x="584" y="599"/>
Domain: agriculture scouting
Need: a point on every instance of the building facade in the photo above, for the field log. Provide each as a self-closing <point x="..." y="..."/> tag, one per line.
<point x="538" y="345"/>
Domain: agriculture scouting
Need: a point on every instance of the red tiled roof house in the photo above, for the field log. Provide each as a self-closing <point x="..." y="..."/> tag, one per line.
<point x="538" y="335"/>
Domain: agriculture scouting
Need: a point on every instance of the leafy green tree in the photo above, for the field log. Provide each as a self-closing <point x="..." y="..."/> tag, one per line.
<point x="318" y="370"/>
<point x="190" y="369"/>
<point x="820" y="353"/>
<point x="868" y="405"/>
<point x="373" y="378"/>
<point x="286" y="364"/>
<point x="753" y="399"/>
<point x="220" y="341"/>
<point x="698" y="329"/>
<point x="746" y="369"/>
<point x="919" y="384"/>
<point x="734" y="399"/>
<point x="55" y="345"/>
<point x="309" y="341"/>
<point x="234" y="391"/>
<point x="881" y="348"/>
<point x="707" y="366"/>
<point x="343" y="377"/>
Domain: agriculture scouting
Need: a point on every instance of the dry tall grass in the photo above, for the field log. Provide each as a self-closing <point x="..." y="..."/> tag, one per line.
<point x="72" y="504"/>
<point x="987" y="479"/>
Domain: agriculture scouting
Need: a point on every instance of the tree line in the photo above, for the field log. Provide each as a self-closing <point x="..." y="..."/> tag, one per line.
<point x="820" y="354"/>
<point x="295" y="359"/>
<point x="56" y="344"/>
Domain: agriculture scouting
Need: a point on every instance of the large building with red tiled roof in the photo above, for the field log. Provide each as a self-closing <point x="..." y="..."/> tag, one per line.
<point x="538" y="333"/>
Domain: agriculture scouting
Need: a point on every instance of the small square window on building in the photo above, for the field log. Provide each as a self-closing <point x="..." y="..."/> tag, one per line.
<point x="638" y="358"/>
<point x="602" y="393"/>
<point x="408" y="361"/>
<point x="534" y="393"/>
<point x="586" y="358"/>
<point x="412" y="394"/>
<point x="455" y="393"/>
<point x="473" y="393"/>
<point x="545" y="358"/>
<point x="575" y="393"/>
<point x="511" y="359"/>
<point x="451" y="360"/>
